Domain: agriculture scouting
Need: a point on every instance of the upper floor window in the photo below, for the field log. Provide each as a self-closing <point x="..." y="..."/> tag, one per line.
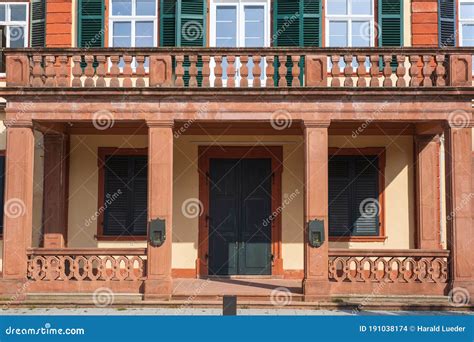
<point x="133" y="23"/>
<point x="13" y="25"/>
<point x="239" y="24"/>
<point x="466" y="22"/>
<point x="350" y="23"/>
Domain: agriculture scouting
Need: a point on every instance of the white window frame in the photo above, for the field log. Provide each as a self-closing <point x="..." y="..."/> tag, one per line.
<point x="132" y="19"/>
<point x="349" y="18"/>
<point x="240" y="4"/>
<point x="463" y="21"/>
<point x="8" y="23"/>
<point x="240" y="33"/>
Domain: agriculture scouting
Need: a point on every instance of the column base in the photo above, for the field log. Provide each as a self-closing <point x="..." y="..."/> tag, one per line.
<point x="158" y="289"/>
<point x="461" y="292"/>
<point x="314" y="289"/>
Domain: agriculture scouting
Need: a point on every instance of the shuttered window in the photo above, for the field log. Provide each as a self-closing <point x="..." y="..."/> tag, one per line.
<point x="2" y="189"/>
<point x="447" y="23"/>
<point x="297" y="23"/>
<point x="90" y="23"/>
<point x="354" y="196"/>
<point x="38" y="23"/>
<point x="125" y="195"/>
<point x="390" y="23"/>
<point x="183" y="22"/>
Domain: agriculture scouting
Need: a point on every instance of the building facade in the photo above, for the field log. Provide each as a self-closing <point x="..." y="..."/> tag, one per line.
<point x="321" y="146"/>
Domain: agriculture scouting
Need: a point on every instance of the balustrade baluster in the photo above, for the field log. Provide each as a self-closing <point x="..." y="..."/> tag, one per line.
<point x="387" y="71"/>
<point x="401" y="71"/>
<point x="89" y="71"/>
<point x="193" y="71"/>
<point x="114" y="71"/>
<point x="427" y="71"/>
<point x="414" y="71"/>
<point x="230" y="71"/>
<point x="100" y="71"/>
<point x="295" y="71"/>
<point x="206" y="71"/>
<point x="348" y="71"/>
<point x="374" y="71"/>
<point x="50" y="71"/>
<point x="270" y="72"/>
<point x="440" y="71"/>
<point x="256" y="71"/>
<point x="218" y="72"/>
<point x="244" y="71"/>
<point x="63" y="71"/>
<point x="282" y="71"/>
<point x="127" y="71"/>
<point x="76" y="71"/>
<point x="335" y="71"/>
<point x="37" y="71"/>
<point x="361" y="71"/>
<point x="140" y="71"/>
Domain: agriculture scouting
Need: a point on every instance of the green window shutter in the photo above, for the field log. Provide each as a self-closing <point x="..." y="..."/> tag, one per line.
<point x="90" y="23"/>
<point x="353" y="187"/>
<point x="183" y="22"/>
<point x="390" y="22"/>
<point x="125" y="189"/>
<point x="2" y="189"/>
<point x="168" y="23"/>
<point x="38" y="23"/>
<point x="297" y="23"/>
<point x="447" y="23"/>
<point x="191" y="23"/>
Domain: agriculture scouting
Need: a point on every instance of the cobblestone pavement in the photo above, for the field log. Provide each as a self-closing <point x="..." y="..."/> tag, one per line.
<point x="200" y="312"/>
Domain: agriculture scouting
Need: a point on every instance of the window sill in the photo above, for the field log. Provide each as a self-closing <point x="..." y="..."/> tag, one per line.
<point x="120" y="238"/>
<point x="357" y="238"/>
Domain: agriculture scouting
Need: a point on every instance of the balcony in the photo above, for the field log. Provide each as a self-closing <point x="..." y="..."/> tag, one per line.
<point x="204" y="68"/>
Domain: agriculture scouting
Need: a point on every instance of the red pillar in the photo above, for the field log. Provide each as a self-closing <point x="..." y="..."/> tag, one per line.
<point x="160" y="205"/>
<point x="55" y="190"/>
<point x="18" y="209"/>
<point x="427" y="191"/>
<point x="459" y="206"/>
<point x="316" y="280"/>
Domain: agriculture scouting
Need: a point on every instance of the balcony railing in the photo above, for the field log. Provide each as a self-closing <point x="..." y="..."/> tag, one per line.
<point x="389" y="266"/>
<point x="93" y="264"/>
<point x="280" y="68"/>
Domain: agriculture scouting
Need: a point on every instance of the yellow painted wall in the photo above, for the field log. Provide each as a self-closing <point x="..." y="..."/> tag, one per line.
<point x="84" y="185"/>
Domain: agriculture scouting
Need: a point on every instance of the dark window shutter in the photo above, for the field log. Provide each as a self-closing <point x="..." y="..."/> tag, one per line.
<point x="183" y="22"/>
<point x="90" y="23"/>
<point x="2" y="189"/>
<point x="191" y="23"/>
<point x="353" y="187"/>
<point x="297" y="23"/>
<point x="125" y="201"/>
<point x="390" y="22"/>
<point x="447" y="23"/>
<point x="38" y="23"/>
<point x="168" y="23"/>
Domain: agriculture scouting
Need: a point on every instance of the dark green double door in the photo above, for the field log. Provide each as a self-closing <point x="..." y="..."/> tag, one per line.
<point x="239" y="209"/>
